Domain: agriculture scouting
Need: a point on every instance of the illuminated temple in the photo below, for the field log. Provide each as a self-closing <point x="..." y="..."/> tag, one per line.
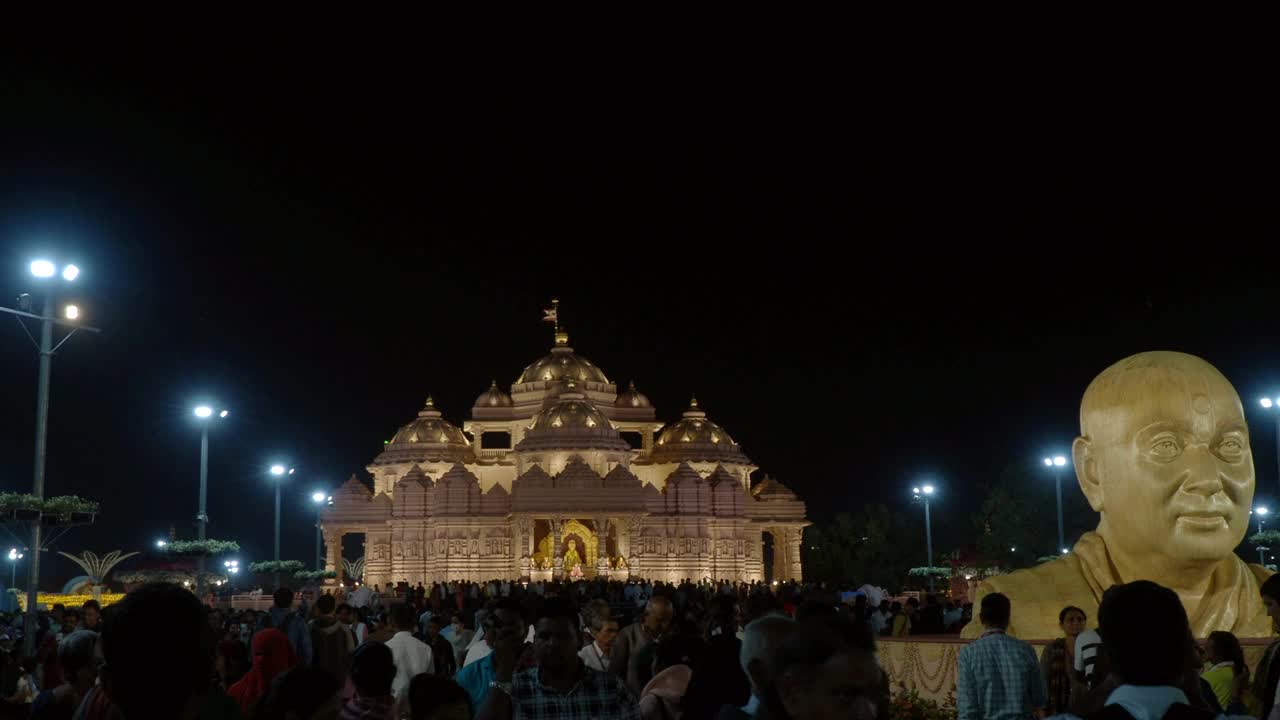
<point x="565" y="476"/>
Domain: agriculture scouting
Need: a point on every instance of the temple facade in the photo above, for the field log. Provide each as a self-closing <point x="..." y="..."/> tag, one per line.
<point x="563" y="476"/>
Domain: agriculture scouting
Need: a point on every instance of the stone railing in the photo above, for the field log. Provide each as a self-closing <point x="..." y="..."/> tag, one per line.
<point x="491" y="453"/>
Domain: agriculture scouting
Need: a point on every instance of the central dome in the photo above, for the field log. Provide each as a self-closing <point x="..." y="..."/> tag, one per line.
<point x="571" y="422"/>
<point x="562" y="363"/>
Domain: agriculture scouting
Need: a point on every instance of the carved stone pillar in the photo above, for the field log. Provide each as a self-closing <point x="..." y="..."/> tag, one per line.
<point x="779" y="553"/>
<point x="602" y="532"/>
<point x="557" y="526"/>
<point x="795" y="536"/>
<point x="333" y="552"/>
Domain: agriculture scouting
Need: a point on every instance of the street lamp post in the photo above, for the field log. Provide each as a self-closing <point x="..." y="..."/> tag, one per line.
<point x="278" y="471"/>
<point x="43" y="270"/>
<point x="1268" y="403"/>
<point x="1261" y="513"/>
<point x="922" y="494"/>
<point x="1058" y="462"/>
<point x="14" y="557"/>
<point x="203" y="413"/>
<point x="320" y="499"/>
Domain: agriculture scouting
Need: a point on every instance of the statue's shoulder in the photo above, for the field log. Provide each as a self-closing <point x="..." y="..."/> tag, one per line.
<point x="1046" y="580"/>
<point x="1036" y="596"/>
<point x="1260" y="573"/>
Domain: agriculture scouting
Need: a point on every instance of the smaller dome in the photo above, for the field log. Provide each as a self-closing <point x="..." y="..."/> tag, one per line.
<point x="493" y="397"/>
<point x="694" y="437"/>
<point x="428" y="438"/>
<point x="632" y="398"/>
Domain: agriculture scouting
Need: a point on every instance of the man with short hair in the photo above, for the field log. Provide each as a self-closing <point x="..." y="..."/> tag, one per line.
<point x="283" y="618"/>
<point x="441" y="650"/>
<point x="411" y="655"/>
<point x="604" y="630"/>
<point x="503" y="625"/>
<point x="91" y="613"/>
<point x="998" y="676"/>
<point x="652" y="624"/>
<point x="331" y="641"/>
<point x="372" y="672"/>
<point x="761" y="640"/>
<point x="560" y="686"/>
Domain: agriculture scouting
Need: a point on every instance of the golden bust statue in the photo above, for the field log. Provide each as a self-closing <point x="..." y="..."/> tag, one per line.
<point x="1164" y="457"/>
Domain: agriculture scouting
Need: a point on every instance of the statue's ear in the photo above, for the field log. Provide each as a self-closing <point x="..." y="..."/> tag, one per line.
<point x="1087" y="472"/>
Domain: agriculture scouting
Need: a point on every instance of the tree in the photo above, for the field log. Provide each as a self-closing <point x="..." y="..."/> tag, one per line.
<point x="871" y="546"/>
<point x="1017" y="523"/>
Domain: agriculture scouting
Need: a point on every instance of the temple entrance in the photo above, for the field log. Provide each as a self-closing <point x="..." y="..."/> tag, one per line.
<point x="580" y="545"/>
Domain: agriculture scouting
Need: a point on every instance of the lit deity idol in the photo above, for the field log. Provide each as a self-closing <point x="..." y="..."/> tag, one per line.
<point x="1164" y="457"/>
<point x="571" y="557"/>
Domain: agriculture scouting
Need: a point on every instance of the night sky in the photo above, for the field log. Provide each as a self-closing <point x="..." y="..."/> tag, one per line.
<point x="866" y="279"/>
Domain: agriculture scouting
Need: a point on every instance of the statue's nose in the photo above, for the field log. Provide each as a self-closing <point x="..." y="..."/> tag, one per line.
<point x="1203" y="476"/>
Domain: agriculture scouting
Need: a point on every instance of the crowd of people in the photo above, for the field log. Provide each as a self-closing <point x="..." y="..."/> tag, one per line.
<point x="597" y="649"/>
<point x="1141" y="662"/>
<point x="584" y="649"/>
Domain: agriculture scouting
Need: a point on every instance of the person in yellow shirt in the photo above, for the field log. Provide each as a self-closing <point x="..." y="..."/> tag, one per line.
<point x="1226" y="671"/>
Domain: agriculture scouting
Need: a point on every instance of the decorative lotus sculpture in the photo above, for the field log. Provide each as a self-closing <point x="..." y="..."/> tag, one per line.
<point x="97" y="567"/>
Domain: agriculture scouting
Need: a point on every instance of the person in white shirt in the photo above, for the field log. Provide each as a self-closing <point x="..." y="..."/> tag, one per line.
<point x="596" y="655"/>
<point x="411" y="655"/>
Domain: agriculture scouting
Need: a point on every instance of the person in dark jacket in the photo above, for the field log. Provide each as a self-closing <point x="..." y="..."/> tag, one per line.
<point x="331" y="641"/>
<point x="441" y="649"/>
<point x="283" y="618"/>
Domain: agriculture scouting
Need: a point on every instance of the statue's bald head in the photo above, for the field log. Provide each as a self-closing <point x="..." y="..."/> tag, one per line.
<point x="1138" y="384"/>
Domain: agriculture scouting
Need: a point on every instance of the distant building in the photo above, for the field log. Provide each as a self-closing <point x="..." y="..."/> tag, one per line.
<point x="565" y="476"/>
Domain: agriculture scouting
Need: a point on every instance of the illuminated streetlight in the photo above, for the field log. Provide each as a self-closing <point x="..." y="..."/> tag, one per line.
<point x="1269" y="404"/>
<point x="14" y="557"/>
<point x="161" y="544"/>
<point x="320" y="499"/>
<point x="43" y="269"/>
<point x="224" y="413"/>
<point x="279" y="471"/>
<point x="203" y="413"/>
<point x="922" y="494"/>
<point x="1059" y="462"/>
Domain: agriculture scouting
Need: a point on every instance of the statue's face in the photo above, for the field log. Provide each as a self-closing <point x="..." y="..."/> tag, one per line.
<point x="1171" y="451"/>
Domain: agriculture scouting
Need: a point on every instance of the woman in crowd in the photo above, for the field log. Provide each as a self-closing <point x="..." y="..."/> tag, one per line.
<point x="901" y="624"/>
<point x="271" y="657"/>
<point x="1057" y="662"/>
<point x="1227" y="675"/>
<point x="674" y="658"/>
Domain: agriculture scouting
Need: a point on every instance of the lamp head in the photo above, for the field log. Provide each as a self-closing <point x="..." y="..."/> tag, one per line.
<point x="318" y="497"/>
<point x="203" y="411"/>
<point x="42" y="268"/>
<point x="277" y="470"/>
<point x="1261" y="510"/>
<point x="927" y="489"/>
<point x="70" y="273"/>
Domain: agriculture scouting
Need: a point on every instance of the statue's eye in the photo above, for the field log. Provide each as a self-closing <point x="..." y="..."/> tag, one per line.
<point x="1166" y="446"/>
<point x="1231" y="448"/>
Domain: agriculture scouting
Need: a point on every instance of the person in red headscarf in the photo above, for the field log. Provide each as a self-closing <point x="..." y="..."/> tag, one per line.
<point x="271" y="656"/>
